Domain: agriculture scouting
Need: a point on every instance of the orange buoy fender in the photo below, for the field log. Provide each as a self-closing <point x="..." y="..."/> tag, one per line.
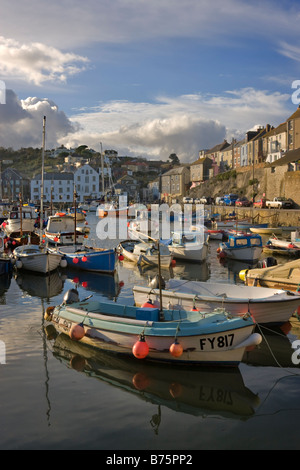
<point x="176" y="349"/>
<point x="140" y="349"/>
<point x="77" y="332"/>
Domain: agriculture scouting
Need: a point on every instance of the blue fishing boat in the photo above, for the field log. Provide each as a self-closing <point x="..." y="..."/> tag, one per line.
<point x="246" y="247"/>
<point x="152" y="334"/>
<point x="89" y="259"/>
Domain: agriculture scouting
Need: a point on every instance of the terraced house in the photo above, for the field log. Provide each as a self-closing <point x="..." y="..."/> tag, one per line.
<point x="175" y="183"/>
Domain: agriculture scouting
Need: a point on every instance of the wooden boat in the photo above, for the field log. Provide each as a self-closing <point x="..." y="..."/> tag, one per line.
<point x="60" y="230"/>
<point x="277" y="246"/>
<point x="188" y="245"/>
<point x="145" y="253"/>
<point x="266" y="230"/>
<point x="88" y="258"/>
<point x="35" y="258"/>
<point x="80" y="214"/>
<point x="177" y="337"/>
<point x="242" y="248"/>
<point x="281" y="276"/>
<point x="265" y="305"/>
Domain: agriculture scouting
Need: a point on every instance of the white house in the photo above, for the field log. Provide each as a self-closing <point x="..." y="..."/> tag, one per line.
<point x="60" y="184"/>
<point x="86" y="180"/>
<point x="277" y="143"/>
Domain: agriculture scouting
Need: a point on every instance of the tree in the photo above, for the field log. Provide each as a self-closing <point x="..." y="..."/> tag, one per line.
<point x="174" y="159"/>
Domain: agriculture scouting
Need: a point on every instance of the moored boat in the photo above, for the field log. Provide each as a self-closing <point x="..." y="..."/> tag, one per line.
<point x="145" y="253"/>
<point x="266" y="230"/>
<point x="265" y="305"/>
<point x="88" y="258"/>
<point x="281" y="276"/>
<point x="189" y="245"/>
<point x="242" y="248"/>
<point x="35" y="258"/>
<point x="165" y="336"/>
<point x="60" y="230"/>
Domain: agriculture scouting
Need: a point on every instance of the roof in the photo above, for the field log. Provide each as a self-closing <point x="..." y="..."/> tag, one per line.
<point x="201" y="160"/>
<point x="295" y="115"/>
<point x="56" y="176"/>
<point x="277" y="130"/>
<point x="289" y="157"/>
<point x="218" y="147"/>
<point x="175" y="171"/>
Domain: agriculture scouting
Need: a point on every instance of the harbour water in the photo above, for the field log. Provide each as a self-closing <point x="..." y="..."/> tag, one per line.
<point x="56" y="394"/>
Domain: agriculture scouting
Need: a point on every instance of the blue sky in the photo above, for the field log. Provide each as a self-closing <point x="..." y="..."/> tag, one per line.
<point x="145" y="78"/>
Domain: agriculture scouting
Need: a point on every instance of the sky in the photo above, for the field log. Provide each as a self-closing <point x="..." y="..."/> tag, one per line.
<point x="146" y="78"/>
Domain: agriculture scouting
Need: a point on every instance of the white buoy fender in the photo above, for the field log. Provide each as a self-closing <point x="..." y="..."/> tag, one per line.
<point x="19" y="264"/>
<point x="252" y="340"/>
<point x="63" y="263"/>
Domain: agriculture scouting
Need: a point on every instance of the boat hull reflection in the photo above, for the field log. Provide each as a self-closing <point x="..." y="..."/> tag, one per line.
<point x="183" y="390"/>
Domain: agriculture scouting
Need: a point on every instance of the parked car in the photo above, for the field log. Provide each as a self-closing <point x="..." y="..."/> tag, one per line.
<point x="280" y="203"/>
<point x="219" y="201"/>
<point x="229" y="199"/>
<point x="260" y="203"/>
<point x="188" y="200"/>
<point x="243" y="202"/>
<point x="197" y="201"/>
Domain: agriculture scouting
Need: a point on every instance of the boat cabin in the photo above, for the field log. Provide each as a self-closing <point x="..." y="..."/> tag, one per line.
<point x="187" y="238"/>
<point x="244" y="241"/>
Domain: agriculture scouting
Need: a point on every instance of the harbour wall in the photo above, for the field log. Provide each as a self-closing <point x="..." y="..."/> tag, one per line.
<point x="273" y="217"/>
<point x="270" y="182"/>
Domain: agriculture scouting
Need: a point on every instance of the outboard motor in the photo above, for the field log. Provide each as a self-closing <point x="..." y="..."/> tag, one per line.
<point x="70" y="297"/>
<point x="267" y="262"/>
<point x="154" y="283"/>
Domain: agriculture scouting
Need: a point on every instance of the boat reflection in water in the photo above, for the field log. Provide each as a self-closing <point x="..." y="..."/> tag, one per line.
<point x="195" y="392"/>
<point x="44" y="287"/>
<point x="107" y="285"/>
<point x="5" y="280"/>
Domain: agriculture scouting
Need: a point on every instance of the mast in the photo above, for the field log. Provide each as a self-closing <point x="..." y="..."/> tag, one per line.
<point x="102" y="169"/>
<point x="75" y="215"/>
<point x="21" y="215"/>
<point x="42" y="179"/>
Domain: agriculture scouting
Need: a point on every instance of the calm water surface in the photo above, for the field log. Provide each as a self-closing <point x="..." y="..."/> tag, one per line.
<point x="55" y="394"/>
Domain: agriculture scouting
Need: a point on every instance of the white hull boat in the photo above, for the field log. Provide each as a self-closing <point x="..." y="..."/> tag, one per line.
<point x="189" y="245"/>
<point x="247" y="248"/>
<point x="34" y="258"/>
<point x="144" y="253"/>
<point x="60" y="230"/>
<point x="266" y="230"/>
<point x="265" y="305"/>
<point x="152" y="335"/>
<point x="17" y="223"/>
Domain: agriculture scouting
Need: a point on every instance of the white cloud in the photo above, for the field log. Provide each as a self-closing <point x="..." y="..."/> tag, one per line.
<point x="36" y="62"/>
<point x="21" y="122"/>
<point x="290" y="50"/>
<point x="183" y="125"/>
